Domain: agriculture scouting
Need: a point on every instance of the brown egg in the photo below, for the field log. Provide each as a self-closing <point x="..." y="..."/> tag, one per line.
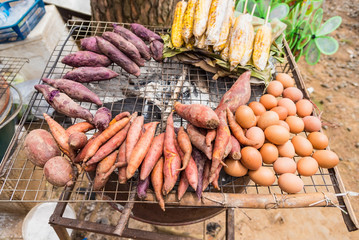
<point x="268" y="101"/>
<point x="257" y="135"/>
<point x="251" y="158"/>
<point x="289" y="105"/>
<point x="257" y="118"/>
<point x="269" y="153"/>
<point x="304" y="108"/>
<point x="285" y="79"/>
<point x="275" y="88"/>
<point x="245" y="116"/>
<point x="235" y="168"/>
<point x="263" y="176"/>
<point x="286" y="150"/>
<point x="281" y="111"/>
<point x="319" y="140"/>
<point x="290" y="183"/>
<point x="277" y="134"/>
<point x="283" y="124"/>
<point x="296" y="124"/>
<point x="302" y="146"/>
<point x="307" y="166"/>
<point x="326" y="158"/>
<point x="312" y="124"/>
<point x="267" y="119"/>
<point x="293" y="93"/>
<point x="284" y="165"/>
<point x="257" y="108"/>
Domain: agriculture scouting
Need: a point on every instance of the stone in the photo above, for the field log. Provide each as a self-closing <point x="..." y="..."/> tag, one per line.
<point x="324" y="85"/>
<point x="357" y="145"/>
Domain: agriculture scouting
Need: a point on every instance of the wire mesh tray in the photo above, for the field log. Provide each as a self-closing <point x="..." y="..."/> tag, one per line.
<point x="152" y="94"/>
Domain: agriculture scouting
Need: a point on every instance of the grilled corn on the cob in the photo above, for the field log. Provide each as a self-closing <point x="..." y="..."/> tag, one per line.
<point x="176" y="35"/>
<point x="226" y="26"/>
<point x="262" y="43"/>
<point x="200" y="42"/>
<point x="187" y="28"/>
<point x="201" y="17"/>
<point x="249" y="43"/>
<point x="216" y="16"/>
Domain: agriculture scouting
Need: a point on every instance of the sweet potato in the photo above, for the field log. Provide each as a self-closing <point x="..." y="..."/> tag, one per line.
<point x="77" y="140"/>
<point x="172" y="158"/>
<point x="124" y="46"/>
<point x="198" y="115"/>
<point x="79" y="127"/>
<point x="215" y="179"/>
<point x="132" y="38"/>
<point x="156" y="48"/>
<point x="91" y="168"/>
<point x="152" y="156"/>
<point x="104" y="170"/>
<point x="145" y="33"/>
<point x="200" y="160"/>
<point x="82" y="154"/>
<point x="239" y="94"/>
<point x="186" y="147"/>
<point x="118" y="57"/>
<point x="220" y="143"/>
<point x="125" y="114"/>
<point x="122" y="158"/>
<point x="59" y="172"/>
<point x="206" y="173"/>
<point x="235" y="152"/>
<point x="182" y="186"/>
<point x="63" y="103"/>
<point x="142" y="187"/>
<point x="133" y="135"/>
<point x="90" y="74"/>
<point x="198" y="140"/>
<point x="140" y="150"/>
<point x="86" y="59"/>
<point x="237" y="130"/>
<point x="210" y="136"/>
<point x="102" y="118"/>
<point x="74" y="90"/>
<point x="228" y="149"/>
<point x="157" y="182"/>
<point x="40" y="146"/>
<point x="90" y="44"/>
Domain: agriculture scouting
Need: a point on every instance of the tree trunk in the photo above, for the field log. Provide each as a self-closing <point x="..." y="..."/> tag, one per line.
<point x="147" y="12"/>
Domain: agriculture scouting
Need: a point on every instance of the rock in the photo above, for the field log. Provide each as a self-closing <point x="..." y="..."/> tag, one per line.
<point x="357" y="145"/>
<point x="213" y="229"/>
<point x="340" y="159"/>
<point x="324" y="85"/>
<point x="354" y="84"/>
<point x="349" y="129"/>
<point x="325" y="127"/>
<point x="329" y="98"/>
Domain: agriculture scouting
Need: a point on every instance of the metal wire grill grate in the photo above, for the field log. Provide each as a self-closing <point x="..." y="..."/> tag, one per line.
<point x="151" y="94"/>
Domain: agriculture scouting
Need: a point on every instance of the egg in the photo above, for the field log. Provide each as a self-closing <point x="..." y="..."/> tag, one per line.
<point x="257" y="135"/>
<point x="304" y="108"/>
<point x="268" y="101"/>
<point x="234" y="168"/>
<point x="312" y="124"/>
<point x="284" y="165"/>
<point x="290" y="183"/>
<point x="257" y="108"/>
<point x="269" y="153"/>
<point x="307" y="166"/>
<point x="289" y="105"/>
<point x="267" y="119"/>
<point x="277" y="134"/>
<point x="293" y="93"/>
<point x="318" y="140"/>
<point x="286" y="150"/>
<point x="245" y="116"/>
<point x="251" y="158"/>
<point x="283" y="124"/>
<point x="263" y="176"/>
<point x="285" y="79"/>
<point x="326" y="158"/>
<point x="275" y="88"/>
<point x="302" y="146"/>
<point x="296" y="124"/>
<point x="281" y="111"/>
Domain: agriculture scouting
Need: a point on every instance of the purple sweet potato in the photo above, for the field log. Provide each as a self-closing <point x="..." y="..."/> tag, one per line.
<point x="197" y="114"/>
<point x="132" y="38"/>
<point x="40" y="146"/>
<point x="59" y="172"/>
<point x="77" y="140"/>
<point x="90" y="44"/>
<point x="200" y="160"/>
<point x="145" y="33"/>
<point x="118" y="57"/>
<point x="74" y="90"/>
<point x="124" y="46"/>
<point x="90" y="74"/>
<point x="102" y="118"/>
<point x="156" y="48"/>
<point x="86" y="59"/>
<point x="199" y="140"/>
<point x="142" y="187"/>
<point x="63" y="103"/>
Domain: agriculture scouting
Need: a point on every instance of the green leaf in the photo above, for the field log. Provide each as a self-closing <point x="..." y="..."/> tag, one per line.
<point x="327" y="45"/>
<point x="317" y="20"/>
<point x="316" y="4"/>
<point x="329" y="26"/>
<point x="279" y="11"/>
<point x="289" y="28"/>
<point x="312" y="53"/>
<point x="298" y="54"/>
<point x="250" y="6"/>
<point x="239" y="6"/>
<point x="303" y="41"/>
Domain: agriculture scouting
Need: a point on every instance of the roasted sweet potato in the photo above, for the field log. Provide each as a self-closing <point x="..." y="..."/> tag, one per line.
<point x="104" y="170"/>
<point x="122" y="158"/>
<point x="90" y="44"/>
<point x="156" y="48"/>
<point x="77" y="140"/>
<point x="40" y="146"/>
<point x="59" y="172"/>
<point x="157" y="182"/>
<point x="199" y="140"/>
<point x="90" y="74"/>
<point x="153" y="155"/>
<point x="134" y="134"/>
<point x="186" y="147"/>
<point x="80" y="127"/>
<point x="86" y="59"/>
<point x="102" y="118"/>
<point x="182" y="186"/>
<point x="145" y="33"/>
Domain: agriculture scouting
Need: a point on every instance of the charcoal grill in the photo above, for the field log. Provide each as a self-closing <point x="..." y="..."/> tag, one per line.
<point x="152" y="94"/>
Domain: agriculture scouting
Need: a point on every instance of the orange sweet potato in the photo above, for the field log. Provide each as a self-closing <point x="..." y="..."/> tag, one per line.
<point x="153" y="155"/>
<point x="157" y="182"/>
